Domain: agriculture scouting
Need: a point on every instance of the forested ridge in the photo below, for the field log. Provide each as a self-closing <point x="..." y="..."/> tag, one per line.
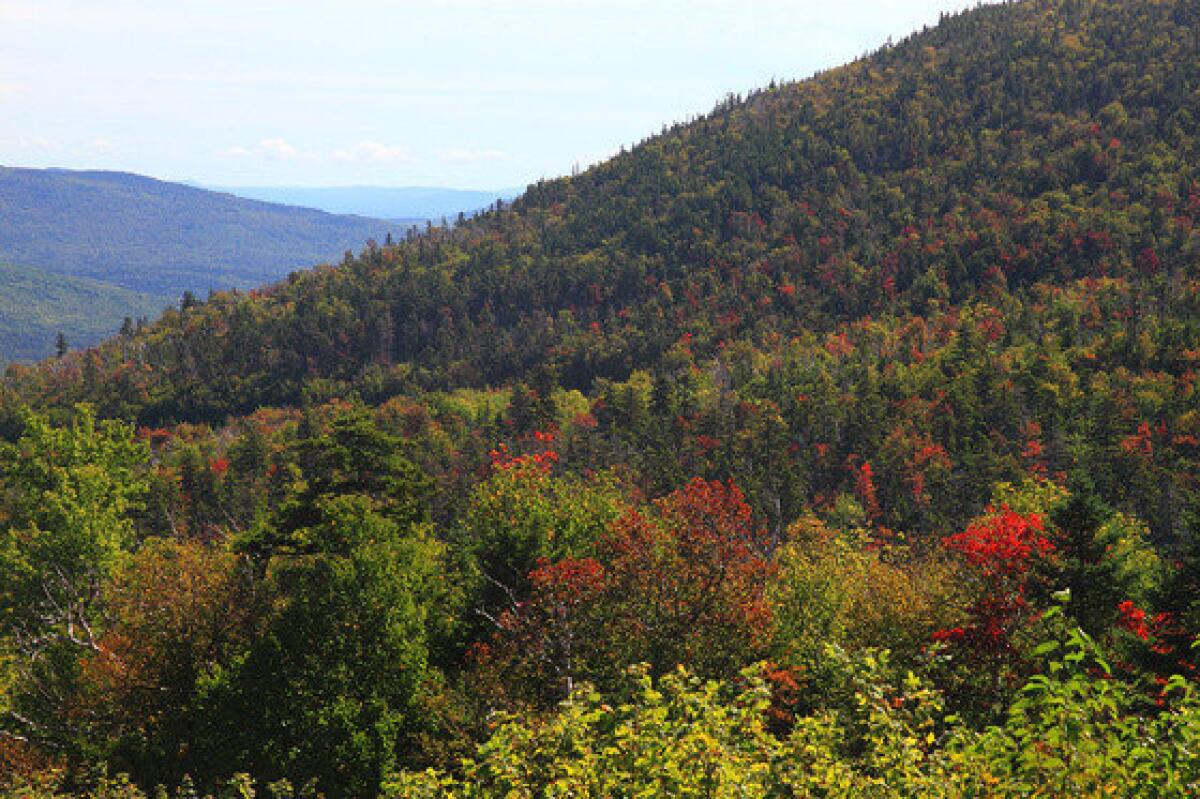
<point x="162" y="238"/>
<point x="83" y="251"/>
<point x="838" y="442"/>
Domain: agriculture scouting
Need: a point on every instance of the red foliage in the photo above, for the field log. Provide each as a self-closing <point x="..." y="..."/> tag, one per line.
<point x="558" y="592"/>
<point x="1148" y="261"/>
<point x="681" y="581"/>
<point x="155" y="435"/>
<point x="1133" y="619"/>
<point x="690" y="577"/>
<point x="950" y="634"/>
<point x="787" y="692"/>
<point x="1033" y="451"/>
<point x="839" y="345"/>
<point x="1002" y="549"/>
<point x="1004" y="545"/>
<point x="864" y="489"/>
<point x="991" y="328"/>
<point x="585" y="421"/>
<point x="1139" y="443"/>
<point x="504" y="460"/>
<point x="927" y="455"/>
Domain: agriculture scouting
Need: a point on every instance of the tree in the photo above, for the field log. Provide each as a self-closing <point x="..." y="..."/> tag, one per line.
<point x="682" y="581"/>
<point x="66" y="495"/>
<point x="687" y="581"/>
<point x="352" y="458"/>
<point x="838" y="586"/>
<point x="331" y="690"/>
<point x="1004" y="555"/>
<point x="1102" y="558"/>
<point x="524" y="515"/>
<point x="177" y="612"/>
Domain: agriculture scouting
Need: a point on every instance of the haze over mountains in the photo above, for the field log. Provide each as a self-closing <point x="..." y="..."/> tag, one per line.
<point x="162" y="238"/>
<point x="99" y="246"/>
<point x="403" y="204"/>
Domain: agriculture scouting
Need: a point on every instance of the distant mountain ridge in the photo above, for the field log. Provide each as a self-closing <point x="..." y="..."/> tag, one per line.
<point x="405" y="204"/>
<point x="95" y="247"/>
<point x="163" y="238"/>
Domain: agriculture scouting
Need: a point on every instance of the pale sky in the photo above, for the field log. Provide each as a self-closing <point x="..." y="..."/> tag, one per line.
<point x="466" y="93"/>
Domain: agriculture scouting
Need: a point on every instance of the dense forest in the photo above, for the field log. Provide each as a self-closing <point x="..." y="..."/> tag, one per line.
<point x="839" y="442"/>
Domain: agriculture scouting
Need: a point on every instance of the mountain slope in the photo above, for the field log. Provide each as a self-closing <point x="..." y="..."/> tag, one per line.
<point x="36" y="306"/>
<point x="162" y="238"/>
<point x="966" y="257"/>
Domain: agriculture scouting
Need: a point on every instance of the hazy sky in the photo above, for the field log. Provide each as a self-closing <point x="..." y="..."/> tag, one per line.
<point x="467" y="93"/>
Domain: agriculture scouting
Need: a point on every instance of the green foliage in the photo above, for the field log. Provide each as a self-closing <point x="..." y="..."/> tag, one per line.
<point x="36" y="305"/>
<point x="681" y="738"/>
<point x="352" y="458"/>
<point x="331" y="689"/>
<point x="68" y="491"/>
<point x="838" y="587"/>
<point x="66" y="495"/>
<point x="1074" y="731"/>
<point x="1104" y="559"/>
<point x="523" y="514"/>
<point x="174" y="613"/>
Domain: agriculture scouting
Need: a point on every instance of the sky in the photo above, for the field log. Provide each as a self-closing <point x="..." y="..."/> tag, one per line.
<point x="483" y="94"/>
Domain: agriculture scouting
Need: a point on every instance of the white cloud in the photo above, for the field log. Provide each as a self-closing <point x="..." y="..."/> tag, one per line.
<point x="275" y="148"/>
<point x="100" y="144"/>
<point x="280" y="148"/>
<point x="470" y="156"/>
<point x="375" y="152"/>
<point x="39" y="143"/>
<point x="364" y="152"/>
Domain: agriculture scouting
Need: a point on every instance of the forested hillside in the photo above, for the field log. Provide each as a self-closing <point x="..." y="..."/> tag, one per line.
<point x="36" y="306"/>
<point x="839" y="442"/>
<point x="162" y="238"/>
<point x="978" y="241"/>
